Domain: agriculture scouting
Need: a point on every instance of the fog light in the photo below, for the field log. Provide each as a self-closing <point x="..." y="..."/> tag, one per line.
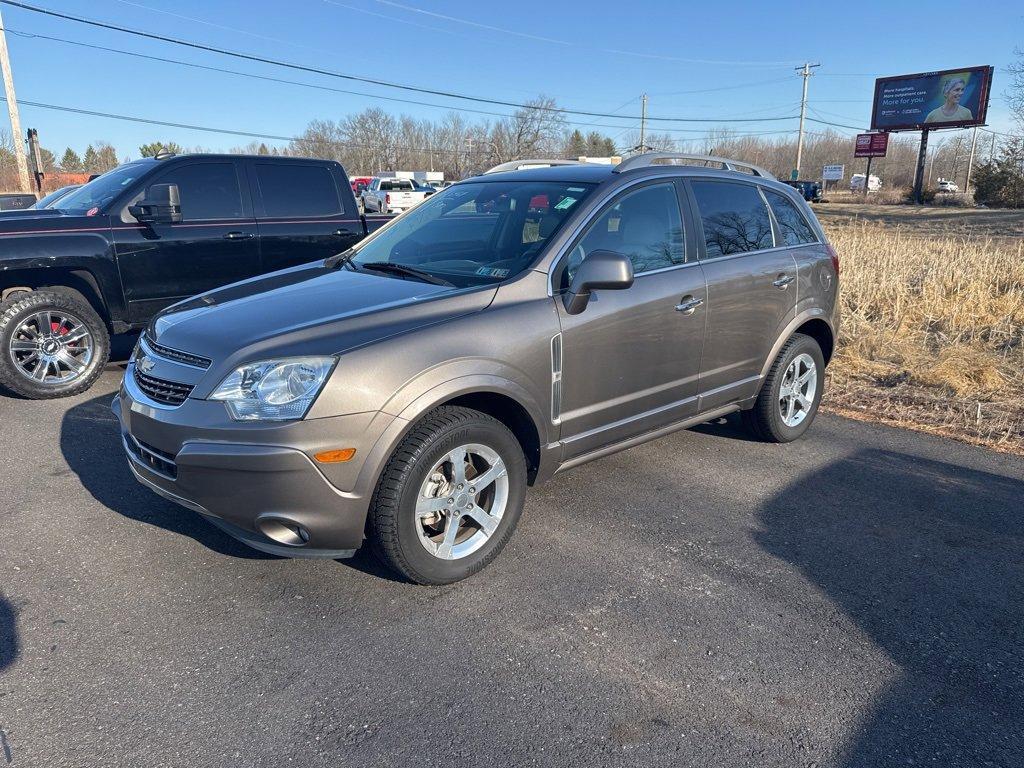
<point x="336" y="456"/>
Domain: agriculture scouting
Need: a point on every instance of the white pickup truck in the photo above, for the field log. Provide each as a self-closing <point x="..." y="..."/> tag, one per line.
<point x="392" y="195"/>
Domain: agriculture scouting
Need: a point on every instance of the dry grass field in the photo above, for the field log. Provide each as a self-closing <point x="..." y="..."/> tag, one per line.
<point x="933" y="320"/>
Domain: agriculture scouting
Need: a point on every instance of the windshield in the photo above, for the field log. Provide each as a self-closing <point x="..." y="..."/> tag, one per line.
<point x="477" y="232"/>
<point x="50" y="199"/>
<point x="101" y="191"/>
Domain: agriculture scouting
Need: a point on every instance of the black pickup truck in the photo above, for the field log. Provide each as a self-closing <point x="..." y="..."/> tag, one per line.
<point x="145" y="235"/>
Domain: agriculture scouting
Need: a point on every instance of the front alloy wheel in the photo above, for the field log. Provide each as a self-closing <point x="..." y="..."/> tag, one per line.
<point x="449" y="497"/>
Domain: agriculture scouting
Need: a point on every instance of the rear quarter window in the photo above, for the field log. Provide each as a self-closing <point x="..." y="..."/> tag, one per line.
<point x="793" y="226"/>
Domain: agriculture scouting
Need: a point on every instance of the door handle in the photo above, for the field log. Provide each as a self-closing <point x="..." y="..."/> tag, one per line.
<point x="783" y="282"/>
<point x="342" y="232"/>
<point x="239" y="236"/>
<point x="688" y="305"/>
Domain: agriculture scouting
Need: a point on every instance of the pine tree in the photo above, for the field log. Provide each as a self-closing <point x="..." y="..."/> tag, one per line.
<point x="71" y="162"/>
<point x="91" y="162"/>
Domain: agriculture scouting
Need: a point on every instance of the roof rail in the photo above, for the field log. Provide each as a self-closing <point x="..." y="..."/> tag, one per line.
<point x="666" y="158"/>
<point x="516" y="165"/>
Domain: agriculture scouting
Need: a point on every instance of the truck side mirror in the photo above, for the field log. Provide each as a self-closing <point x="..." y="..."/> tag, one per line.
<point x="605" y="270"/>
<point x="161" y="205"/>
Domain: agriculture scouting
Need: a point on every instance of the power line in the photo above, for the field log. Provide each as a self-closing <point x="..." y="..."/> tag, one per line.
<point x="372" y="81"/>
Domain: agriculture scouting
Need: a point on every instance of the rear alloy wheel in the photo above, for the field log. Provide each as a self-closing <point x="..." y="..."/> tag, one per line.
<point x="791" y="392"/>
<point x="52" y="344"/>
<point x="449" y="498"/>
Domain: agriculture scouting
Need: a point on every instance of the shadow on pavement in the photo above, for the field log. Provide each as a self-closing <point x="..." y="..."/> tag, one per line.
<point x="8" y="634"/>
<point x="92" y="447"/>
<point x="926" y="558"/>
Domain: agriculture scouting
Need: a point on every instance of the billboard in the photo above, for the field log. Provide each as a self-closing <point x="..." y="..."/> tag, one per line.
<point x="871" y="145"/>
<point x="952" y="98"/>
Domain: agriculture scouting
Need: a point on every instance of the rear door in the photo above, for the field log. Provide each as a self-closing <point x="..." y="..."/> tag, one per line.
<point x="300" y="212"/>
<point x="751" y="287"/>
<point x="631" y="359"/>
<point x="214" y="244"/>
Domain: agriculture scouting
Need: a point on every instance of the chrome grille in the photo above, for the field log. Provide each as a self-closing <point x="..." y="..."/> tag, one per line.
<point x="196" y="361"/>
<point x="159" y="461"/>
<point x="161" y="390"/>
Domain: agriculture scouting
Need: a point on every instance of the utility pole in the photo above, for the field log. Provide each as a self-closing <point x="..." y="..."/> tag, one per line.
<point x="12" y="108"/>
<point x="805" y="73"/>
<point x="970" y="161"/>
<point x="643" y="121"/>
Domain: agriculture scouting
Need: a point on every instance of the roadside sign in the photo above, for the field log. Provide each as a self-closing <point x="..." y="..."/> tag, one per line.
<point x="871" y="145"/>
<point x="833" y="173"/>
<point x="794" y="175"/>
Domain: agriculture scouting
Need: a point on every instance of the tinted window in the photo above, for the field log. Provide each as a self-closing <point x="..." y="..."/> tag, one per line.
<point x="207" y="190"/>
<point x="792" y="225"/>
<point x="734" y="217"/>
<point x="644" y="225"/>
<point x="297" y="190"/>
<point x="393" y="185"/>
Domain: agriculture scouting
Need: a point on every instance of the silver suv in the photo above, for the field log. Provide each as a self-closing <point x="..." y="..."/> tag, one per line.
<point x="510" y="327"/>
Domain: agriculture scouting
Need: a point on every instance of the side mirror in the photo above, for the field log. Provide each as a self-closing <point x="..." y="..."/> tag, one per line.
<point x="605" y="270"/>
<point x="360" y="187"/>
<point x="161" y="205"/>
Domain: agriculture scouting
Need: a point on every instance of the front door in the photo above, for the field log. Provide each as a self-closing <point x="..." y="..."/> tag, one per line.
<point x="751" y="288"/>
<point x="631" y="359"/>
<point x="300" y="214"/>
<point x="214" y="244"/>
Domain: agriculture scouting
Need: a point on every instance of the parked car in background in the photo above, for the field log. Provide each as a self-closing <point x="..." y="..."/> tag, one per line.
<point x="946" y="185"/>
<point x="51" y="200"/>
<point x="148" y="234"/>
<point x="809" y="190"/>
<point x="391" y="195"/>
<point x="15" y="201"/>
<point x="423" y="187"/>
<point x="519" y="324"/>
<point x="857" y="183"/>
<point x="358" y="183"/>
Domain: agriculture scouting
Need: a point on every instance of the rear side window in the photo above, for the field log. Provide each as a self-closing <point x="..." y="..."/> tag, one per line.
<point x="297" y="190"/>
<point x="734" y="217"/>
<point x="207" y="190"/>
<point x="792" y="225"/>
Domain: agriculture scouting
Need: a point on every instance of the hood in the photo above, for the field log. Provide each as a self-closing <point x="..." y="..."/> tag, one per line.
<point x="307" y="310"/>
<point x="31" y="220"/>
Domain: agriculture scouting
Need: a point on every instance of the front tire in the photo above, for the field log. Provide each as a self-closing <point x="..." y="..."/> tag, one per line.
<point x="52" y="344"/>
<point x="789" y="398"/>
<point x="449" y="497"/>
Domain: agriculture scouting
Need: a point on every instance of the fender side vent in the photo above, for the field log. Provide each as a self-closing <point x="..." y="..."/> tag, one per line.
<point x="556" y="378"/>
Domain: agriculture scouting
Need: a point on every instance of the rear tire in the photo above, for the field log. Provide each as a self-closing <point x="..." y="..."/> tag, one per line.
<point x="432" y="524"/>
<point x="52" y="344"/>
<point x="789" y="398"/>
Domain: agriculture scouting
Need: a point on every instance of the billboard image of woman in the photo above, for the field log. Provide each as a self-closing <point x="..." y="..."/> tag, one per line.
<point x="953" y="87"/>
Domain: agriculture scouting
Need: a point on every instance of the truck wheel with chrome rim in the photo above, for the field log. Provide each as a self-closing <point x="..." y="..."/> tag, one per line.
<point x="52" y="344"/>
<point x="791" y="392"/>
<point x="449" y="498"/>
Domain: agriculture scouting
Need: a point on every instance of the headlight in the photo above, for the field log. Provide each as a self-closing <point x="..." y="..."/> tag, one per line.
<point x="274" y="390"/>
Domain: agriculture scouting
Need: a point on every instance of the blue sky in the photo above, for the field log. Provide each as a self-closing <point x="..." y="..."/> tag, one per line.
<point x="696" y="60"/>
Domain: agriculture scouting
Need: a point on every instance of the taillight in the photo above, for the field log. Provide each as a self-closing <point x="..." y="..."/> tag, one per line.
<point x="387" y="199"/>
<point x="835" y="258"/>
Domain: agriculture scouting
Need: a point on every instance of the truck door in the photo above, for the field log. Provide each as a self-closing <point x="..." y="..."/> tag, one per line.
<point x="300" y="213"/>
<point x="214" y="244"/>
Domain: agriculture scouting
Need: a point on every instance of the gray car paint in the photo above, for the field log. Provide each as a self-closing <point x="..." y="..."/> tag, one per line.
<point x="633" y="367"/>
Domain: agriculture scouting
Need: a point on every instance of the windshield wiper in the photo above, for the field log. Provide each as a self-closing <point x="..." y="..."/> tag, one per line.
<point x="402" y="269"/>
<point x="339" y="259"/>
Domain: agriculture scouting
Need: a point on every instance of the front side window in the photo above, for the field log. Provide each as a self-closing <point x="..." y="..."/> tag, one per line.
<point x="291" y="190"/>
<point x="207" y="190"/>
<point x="792" y="225"/>
<point x="643" y="224"/>
<point x="476" y="232"/>
<point x="734" y="218"/>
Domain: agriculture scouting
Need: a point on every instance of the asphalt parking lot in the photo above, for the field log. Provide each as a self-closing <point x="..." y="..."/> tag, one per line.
<point x="855" y="599"/>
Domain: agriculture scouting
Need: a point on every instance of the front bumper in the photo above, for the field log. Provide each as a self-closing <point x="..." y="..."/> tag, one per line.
<point x="256" y="482"/>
